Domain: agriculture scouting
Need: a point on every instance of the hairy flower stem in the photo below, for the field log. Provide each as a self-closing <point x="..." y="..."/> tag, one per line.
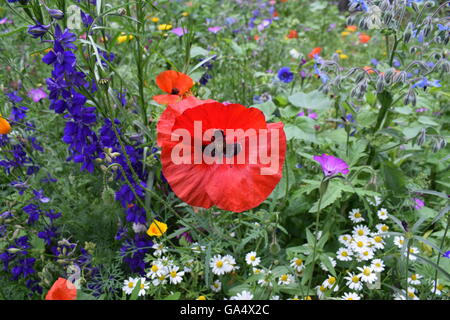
<point x="439" y="254"/>
<point x="322" y="189"/>
<point x="139" y="61"/>
<point x="394" y="47"/>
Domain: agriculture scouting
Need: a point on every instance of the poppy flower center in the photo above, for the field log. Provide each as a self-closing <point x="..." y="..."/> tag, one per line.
<point x="175" y="91"/>
<point x="218" y="147"/>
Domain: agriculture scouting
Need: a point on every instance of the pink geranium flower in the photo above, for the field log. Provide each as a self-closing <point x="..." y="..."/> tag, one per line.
<point x="37" y="94"/>
<point x="331" y="165"/>
<point x="214" y="29"/>
<point x="179" y="31"/>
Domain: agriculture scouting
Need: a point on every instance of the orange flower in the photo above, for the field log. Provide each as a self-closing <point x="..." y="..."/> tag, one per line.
<point x="5" y="127"/>
<point x="363" y="38"/>
<point x="316" y="50"/>
<point x="369" y="69"/>
<point x="175" y="83"/>
<point x="351" y="28"/>
<point x="293" y="34"/>
<point x="62" y="289"/>
<point x="275" y="14"/>
<point x="256" y="37"/>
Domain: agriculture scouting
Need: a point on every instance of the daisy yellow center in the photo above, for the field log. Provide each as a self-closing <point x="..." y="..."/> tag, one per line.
<point x="142" y="286"/>
<point x="411" y="294"/>
<point x="201" y="298"/>
<point x="378" y="265"/>
<point x="219" y="264"/>
<point x="360" y="232"/>
<point x="384" y="228"/>
<point x="155" y="268"/>
<point x="130" y="284"/>
<point x="413" y="277"/>
<point x="173" y="274"/>
<point x="257" y="271"/>
<point x="299" y="262"/>
<point x="360" y="244"/>
<point x="349" y="298"/>
<point x="215" y="285"/>
<point x="411" y="250"/>
<point x="284" y="277"/>
<point x="357" y="215"/>
<point x="331" y="280"/>
<point x="322" y="288"/>
<point x="440" y="287"/>
<point x="377" y="239"/>
<point x="366" y="253"/>
<point x="252" y="258"/>
<point x="367" y="272"/>
<point x="401" y="241"/>
<point x="345" y="238"/>
<point x="355" y="279"/>
<point x="344" y="254"/>
<point x="162" y="277"/>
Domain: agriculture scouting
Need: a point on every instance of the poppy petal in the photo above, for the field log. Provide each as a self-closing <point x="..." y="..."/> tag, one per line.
<point x="171" y="79"/>
<point x="62" y="289"/>
<point x="166" y="99"/>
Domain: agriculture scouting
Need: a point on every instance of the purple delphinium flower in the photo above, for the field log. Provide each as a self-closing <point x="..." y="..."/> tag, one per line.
<point x="331" y="165"/>
<point x="39" y="195"/>
<point x="179" y="31"/>
<point x="285" y="75"/>
<point x="37" y="94"/>
<point x="446" y="254"/>
<point x="38" y="30"/>
<point x="214" y="29"/>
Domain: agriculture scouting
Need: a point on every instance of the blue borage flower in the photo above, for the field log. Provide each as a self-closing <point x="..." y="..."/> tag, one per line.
<point x="285" y="75"/>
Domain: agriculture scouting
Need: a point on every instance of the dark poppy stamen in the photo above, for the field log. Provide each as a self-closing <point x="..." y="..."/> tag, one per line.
<point x="221" y="149"/>
<point x="175" y="91"/>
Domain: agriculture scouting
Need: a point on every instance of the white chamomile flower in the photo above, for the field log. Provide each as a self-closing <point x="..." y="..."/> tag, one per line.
<point x="156" y="269"/>
<point x="360" y="231"/>
<point x="197" y="248"/>
<point x="231" y="262"/>
<point x="258" y="271"/>
<point x="377" y="242"/>
<point x="160" y="279"/>
<point x="355" y="216"/>
<point x="265" y="282"/>
<point x="382" y="214"/>
<point x="360" y="244"/>
<point x="410" y="294"/>
<point x="330" y="282"/>
<point x="321" y="291"/>
<point x="294" y="54"/>
<point x="143" y="287"/>
<point x="399" y="241"/>
<point x="129" y="285"/>
<point x="219" y="265"/>
<point x="159" y="249"/>
<point x="354" y="281"/>
<point x="216" y="286"/>
<point x="175" y="276"/>
<point x="376" y="202"/>
<point x="377" y="265"/>
<point x="351" y="296"/>
<point x="324" y="268"/>
<point x="345" y="239"/>
<point x="412" y="250"/>
<point x="367" y="274"/>
<point x="344" y="254"/>
<point x="286" y="279"/>
<point x="382" y="228"/>
<point x="365" y="255"/>
<point x="244" y="295"/>
<point x="252" y="259"/>
<point x="297" y="264"/>
<point x="415" y="279"/>
<point x="439" y="287"/>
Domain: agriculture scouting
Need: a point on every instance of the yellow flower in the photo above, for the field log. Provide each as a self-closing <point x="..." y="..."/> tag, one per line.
<point x="185" y="14"/>
<point x="343" y="56"/>
<point x="157" y="228"/>
<point x="124" y="37"/>
<point x="201" y="298"/>
<point x="345" y="33"/>
<point x="164" y="27"/>
<point x="338" y="51"/>
<point x="155" y="19"/>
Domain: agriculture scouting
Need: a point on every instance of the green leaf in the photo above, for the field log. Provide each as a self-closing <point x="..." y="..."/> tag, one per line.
<point x="333" y="193"/>
<point x="267" y="108"/>
<point x="394" y="178"/>
<point x="312" y="100"/>
<point x="173" y="296"/>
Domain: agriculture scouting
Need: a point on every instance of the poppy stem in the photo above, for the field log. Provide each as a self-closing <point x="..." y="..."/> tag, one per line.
<point x="439" y="255"/>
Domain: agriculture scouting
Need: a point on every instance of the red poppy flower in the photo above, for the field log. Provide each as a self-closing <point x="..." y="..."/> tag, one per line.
<point x="364" y="38"/>
<point x="293" y="34"/>
<point x="62" y="289"/>
<point x="175" y="83"/>
<point x="314" y="51"/>
<point x="244" y="176"/>
<point x="167" y="118"/>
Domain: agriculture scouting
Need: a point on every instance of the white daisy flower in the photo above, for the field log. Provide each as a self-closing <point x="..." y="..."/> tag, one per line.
<point x="439" y="287"/>
<point x="156" y="269"/>
<point x="355" y="216"/>
<point x="297" y="264"/>
<point x="231" y="263"/>
<point x="360" y="231"/>
<point x="258" y="271"/>
<point x="275" y="298"/>
<point x="265" y="282"/>
<point x="344" y="254"/>
<point x="159" y="249"/>
<point x="294" y="54"/>
<point x="219" y="265"/>
<point x="252" y="259"/>
<point x="399" y="241"/>
<point x="377" y="265"/>
<point x="376" y="202"/>
<point x="321" y="291"/>
<point x="160" y="279"/>
<point x="377" y="242"/>
<point x="413" y="250"/>
<point x="345" y="239"/>
<point x="367" y="274"/>
<point x="216" y="286"/>
<point x="415" y="279"/>
<point x="175" y="276"/>
<point x="143" y="287"/>
<point x="330" y="282"/>
<point x="286" y="279"/>
<point x="410" y="294"/>
<point x="365" y="255"/>
<point x="197" y="248"/>
<point x="244" y="295"/>
<point x="381" y="227"/>
<point x="129" y="285"/>
<point x="351" y="296"/>
<point x="360" y="244"/>
<point x="354" y="281"/>
<point x="382" y="214"/>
